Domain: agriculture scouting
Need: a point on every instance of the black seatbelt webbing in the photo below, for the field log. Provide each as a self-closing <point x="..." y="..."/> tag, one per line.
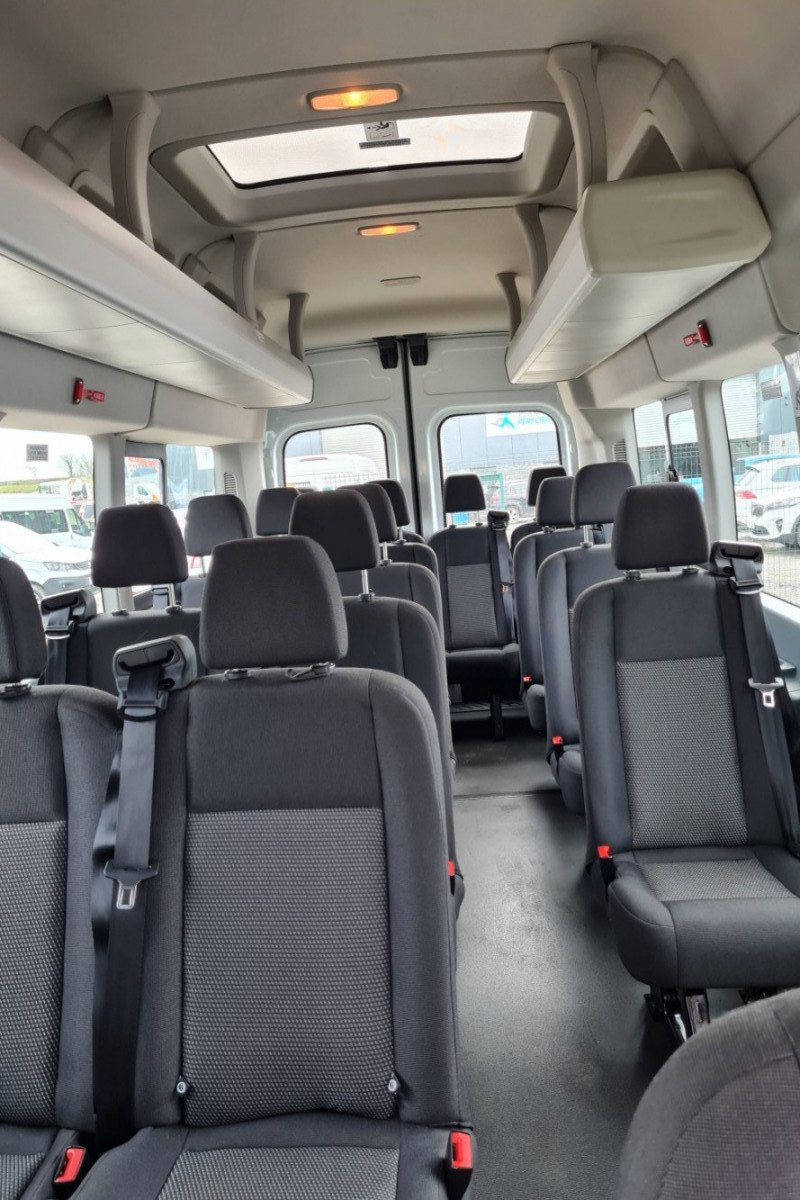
<point x="61" y="615"/>
<point x="766" y="680"/>
<point x="502" y="553"/>
<point x="119" y="904"/>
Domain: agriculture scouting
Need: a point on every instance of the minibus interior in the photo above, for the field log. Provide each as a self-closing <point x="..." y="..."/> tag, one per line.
<point x="399" y="600"/>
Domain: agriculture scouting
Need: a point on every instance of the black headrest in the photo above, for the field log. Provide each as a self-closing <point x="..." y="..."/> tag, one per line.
<point x="274" y="510"/>
<point x="23" y="650"/>
<point x="271" y="602"/>
<point x="554" y="502"/>
<point x="381" y="508"/>
<point x="343" y="525"/>
<point x="463" y="493"/>
<point x="537" y="478"/>
<point x="598" y="489"/>
<point x="137" y="544"/>
<point x="397" y="499"/>
<point x="660" y="525"/>
<point x="211" y="520"/>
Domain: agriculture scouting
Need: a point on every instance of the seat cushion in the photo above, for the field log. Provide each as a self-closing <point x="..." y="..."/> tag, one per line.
<point x="495" y="667"/>
<point x="708" y="917"/>
<point x="340" y="1158"/>
<point x="28" y="1161"/>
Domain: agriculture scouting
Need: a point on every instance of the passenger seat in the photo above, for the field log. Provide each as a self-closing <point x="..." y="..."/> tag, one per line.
<point x="694" y="844"/>
<point x="475" y="575"/>
<point x="397" y="498"/>
<point x="348" y="533"/>
<point x="596" y="495"/>
<point x="56" y="753"/>
<point x="274" y="510"/>
<point x="393" y="550"/>
<point x="210" y="520"/>
<point x="721" y="1120"/>
<point x="297" y="1028"/>
<point x="535" y="480"/>
<point x="134" y="545"/>
<point x="554" y="509"/>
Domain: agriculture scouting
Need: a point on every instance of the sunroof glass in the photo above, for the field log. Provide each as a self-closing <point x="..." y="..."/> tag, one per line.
<point x="374" y="146"/>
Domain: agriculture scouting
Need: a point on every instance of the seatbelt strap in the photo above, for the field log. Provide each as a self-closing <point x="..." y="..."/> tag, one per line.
<point x="122" y="868"/>
<point x="60" y="614"/>
<point x="766" y="681"/>
<point x="498" y="524"/>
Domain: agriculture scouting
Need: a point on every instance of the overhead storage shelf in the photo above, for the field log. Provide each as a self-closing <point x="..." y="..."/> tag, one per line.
<point x="635" y="252"/>
<point x="72" y="278"/>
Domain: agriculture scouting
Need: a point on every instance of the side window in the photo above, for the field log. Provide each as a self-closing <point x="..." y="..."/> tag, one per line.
<point x="765" y="463"/>
<point x="501" y="448"/>
<point x="684" y="448"/>
<point x="323" y="459"/>
<point x="651" y="443"/>
<point x="190" y="473"/>
<point x="144" y="480"/>
<point x="46" y="488"/>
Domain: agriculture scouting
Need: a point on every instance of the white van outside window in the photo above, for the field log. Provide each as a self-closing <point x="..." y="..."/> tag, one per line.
<point x="321" y="460"/>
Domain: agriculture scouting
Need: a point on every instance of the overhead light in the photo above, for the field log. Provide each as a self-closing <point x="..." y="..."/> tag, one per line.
<point x="388" y="230"/>
<point x="367" y="97"/>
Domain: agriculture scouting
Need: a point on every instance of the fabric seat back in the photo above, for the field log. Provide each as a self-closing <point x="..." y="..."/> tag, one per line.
<point x="393" y="550"/>
<point x="671" y="644"/>
<point x="402" y="517"/>
<point x="300" y="830"/>
<point x="134" y="545"/>
<point x="56" y="749"/>
<point x="469" y="572"/>
<point x="535" y="480"/>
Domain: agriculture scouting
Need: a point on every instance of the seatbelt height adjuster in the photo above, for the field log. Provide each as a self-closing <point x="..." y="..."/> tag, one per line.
<point x="767" y="690"/>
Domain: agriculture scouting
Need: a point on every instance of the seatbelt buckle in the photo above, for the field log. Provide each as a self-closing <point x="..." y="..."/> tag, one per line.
<point x="767" y="690"/>
<point x="556" y="746"/>
<point x="70" y="1167"/>
<point x="608" y="870"/>
<point x="127" y="880"/>
<point x="460" y="1163"/>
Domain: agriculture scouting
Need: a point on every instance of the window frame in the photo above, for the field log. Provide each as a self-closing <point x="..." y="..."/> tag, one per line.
<point x="322" y="428"/>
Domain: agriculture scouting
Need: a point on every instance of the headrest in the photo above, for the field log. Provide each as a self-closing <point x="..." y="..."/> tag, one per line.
<point x="271" y="602"/>
<point x="463" y="493"/>
<point x="274" y="510"/>
<point x="343" y="525"/>
<point x="598" y="489"/>
<point x="660" y="525"/>
<point x="537" y="478"/>
<point x="137" y="544"/>
<point x="397" y="499"/>
<point x="211" y="520"/>
<point x="23" y="650"/>
<point x="380" y="506"/>
<point x="554" y="502"/>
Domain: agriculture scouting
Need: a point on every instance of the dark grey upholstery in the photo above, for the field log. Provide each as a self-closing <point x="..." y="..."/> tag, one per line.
<point x="530" y="553"/>
<point x="56" y="747"/>
<point x="413" y="552"/>
<point x="271" y="603"/>
<point x="535" y="481"/>
<point x="721" y="1121"/>
<point x="299" y="967"/>
<point x="380" y="507"/>
<point x="274" y="510"/>
<point x="23" y="651"/>
<point x="343" y="524"/>
<point x="135" y="531"/>
<point x="565" y="575"/>
<point x="137" y="544"/>
<point x="463" y="493"/>
<point x="706" y="894"/>
<point x="211" y="520"/>
<point x="397" y="498"/>
<point x="662" y="525"/>
<point x="482" y="654"/>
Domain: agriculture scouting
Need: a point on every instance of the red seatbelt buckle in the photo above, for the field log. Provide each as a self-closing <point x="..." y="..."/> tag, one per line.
<point x="527" y="680"/>
<point x="557" y="745"/>
<point x="608" y="871"/>
<point x="460" y="1163"/>
<point x="604" y="852"/>
<point x="451" y="868"/>
<point x="70" y="1167"/>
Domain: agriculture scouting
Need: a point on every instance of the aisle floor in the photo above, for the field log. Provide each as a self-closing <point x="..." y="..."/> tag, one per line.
<point x="557" y="1045"/>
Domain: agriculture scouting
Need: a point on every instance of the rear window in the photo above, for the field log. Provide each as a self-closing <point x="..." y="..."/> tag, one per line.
<point x="321" y="460"/>
<point x="501" y="448"/>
